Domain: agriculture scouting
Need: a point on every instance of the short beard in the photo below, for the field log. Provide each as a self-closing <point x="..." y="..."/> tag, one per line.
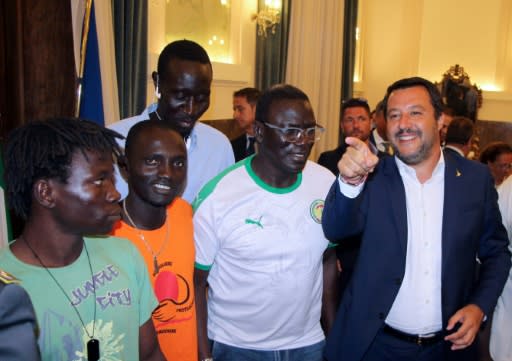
<point x="420" y="155"/>
<point x="416" y="158"/>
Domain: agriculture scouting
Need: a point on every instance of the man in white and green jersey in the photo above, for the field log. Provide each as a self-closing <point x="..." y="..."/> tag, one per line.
<point x="260" y="246"/>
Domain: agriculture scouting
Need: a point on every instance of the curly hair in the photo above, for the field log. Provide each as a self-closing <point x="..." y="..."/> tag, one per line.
<point x="44" y="149"/>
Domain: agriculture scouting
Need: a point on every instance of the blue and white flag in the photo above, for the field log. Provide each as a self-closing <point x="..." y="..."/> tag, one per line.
<point x="98" y="99"/>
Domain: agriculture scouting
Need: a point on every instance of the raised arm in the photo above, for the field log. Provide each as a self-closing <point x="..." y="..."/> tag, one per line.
<point x="340" y="217"/>
<point x="357" y="162"/>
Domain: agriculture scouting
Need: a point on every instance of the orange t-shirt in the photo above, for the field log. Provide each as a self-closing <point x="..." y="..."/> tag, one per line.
<point x="175" y="316"/>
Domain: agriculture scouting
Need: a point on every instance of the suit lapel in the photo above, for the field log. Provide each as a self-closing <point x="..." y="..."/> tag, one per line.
<point x="396" y="193"/>
<point x="452" y="193"/>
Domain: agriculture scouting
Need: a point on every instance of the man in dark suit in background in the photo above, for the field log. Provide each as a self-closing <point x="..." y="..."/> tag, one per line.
<point x="378" y="136"/>
<point x="458" y="136"/>
<point x="448" y="114"/>
<point x="244" y="110"/>
<point x="354" y="122"/>
<point x="413" y="295"/>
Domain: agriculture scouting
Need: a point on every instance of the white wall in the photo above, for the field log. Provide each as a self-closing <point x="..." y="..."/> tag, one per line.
<point x="391" y="35"/>
<point x="425" y="37"/>
<point x="401" y="38"/>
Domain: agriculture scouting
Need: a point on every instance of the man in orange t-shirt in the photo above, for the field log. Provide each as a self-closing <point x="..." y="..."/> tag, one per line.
<point x="159" y="223"/>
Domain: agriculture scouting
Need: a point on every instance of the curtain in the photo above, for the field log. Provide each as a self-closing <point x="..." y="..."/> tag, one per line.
<point x="37" y="71"/>
<point x="271" y="51"/>
<point x="5" y="225"/>
<point x="107" y="61"/>
<point x="349" y="39"/>
<point x="130" y="34"/>
<point x="90" y="104"/>
<point x="314" y="62"/>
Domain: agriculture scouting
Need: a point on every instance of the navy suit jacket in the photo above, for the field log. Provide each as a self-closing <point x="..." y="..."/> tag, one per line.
<point x="471" y="226"/>
<point x="239" y="145"/>
<point x="452" y="152"/>
<point x="348" y="250"/>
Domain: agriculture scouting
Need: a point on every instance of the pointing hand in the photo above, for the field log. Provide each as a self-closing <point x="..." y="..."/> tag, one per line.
<point x="357" y="161"/>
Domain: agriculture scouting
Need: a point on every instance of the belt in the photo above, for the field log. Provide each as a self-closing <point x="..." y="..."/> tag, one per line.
<point x="424" y="340"/>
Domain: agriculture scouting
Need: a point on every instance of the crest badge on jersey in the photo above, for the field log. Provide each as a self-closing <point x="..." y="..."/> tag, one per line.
<point x="316" y="209"/>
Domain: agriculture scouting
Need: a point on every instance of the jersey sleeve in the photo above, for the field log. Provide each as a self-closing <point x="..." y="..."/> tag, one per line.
<point x="205" y="236"/>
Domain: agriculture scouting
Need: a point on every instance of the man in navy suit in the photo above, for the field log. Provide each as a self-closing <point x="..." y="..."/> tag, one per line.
<point x="378" y="136"/>
<point x="458" y="136"/>
<point x="354" y="122"/>
<point x="244" y="111"/>
<point x="413" y="294"/>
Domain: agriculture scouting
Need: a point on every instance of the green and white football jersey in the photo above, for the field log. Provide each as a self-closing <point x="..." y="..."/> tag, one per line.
<point x="263" y="247"/>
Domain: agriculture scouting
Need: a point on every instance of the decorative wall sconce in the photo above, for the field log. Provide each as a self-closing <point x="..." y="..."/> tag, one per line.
<point x="268" y="17"/>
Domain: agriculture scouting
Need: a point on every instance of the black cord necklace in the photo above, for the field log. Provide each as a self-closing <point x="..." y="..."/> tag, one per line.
<point x="93" y="345"/>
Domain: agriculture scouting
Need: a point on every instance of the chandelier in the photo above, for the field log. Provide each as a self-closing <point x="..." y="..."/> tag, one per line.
<point x="268" y="17"/>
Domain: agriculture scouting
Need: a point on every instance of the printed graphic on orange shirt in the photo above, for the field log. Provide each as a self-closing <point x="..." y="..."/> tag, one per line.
<point x="174" y="296"/>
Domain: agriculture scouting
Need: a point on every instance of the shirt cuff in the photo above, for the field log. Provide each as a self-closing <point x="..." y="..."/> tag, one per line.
<point x="349" y="190"/>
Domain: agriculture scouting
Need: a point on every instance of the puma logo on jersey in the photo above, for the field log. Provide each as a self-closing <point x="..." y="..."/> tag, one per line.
<point x="252" y="221"/>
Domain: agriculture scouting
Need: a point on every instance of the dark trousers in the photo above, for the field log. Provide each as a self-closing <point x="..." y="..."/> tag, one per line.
<point x="386" y="347"/>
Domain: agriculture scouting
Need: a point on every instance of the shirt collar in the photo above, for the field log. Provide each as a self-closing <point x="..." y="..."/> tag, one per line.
<point x="407" y="170"/>
<point x="190" y="142"/>
<point x="455" y="149"/>
<point x="377" y="137"/>
<point x="373" y="148"/>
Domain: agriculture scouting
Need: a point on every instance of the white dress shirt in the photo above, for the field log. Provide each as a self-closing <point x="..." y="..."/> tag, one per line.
<point x="379" y="142"/>
<point x="455" y="149"/>
<point x="417" y="306"/>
